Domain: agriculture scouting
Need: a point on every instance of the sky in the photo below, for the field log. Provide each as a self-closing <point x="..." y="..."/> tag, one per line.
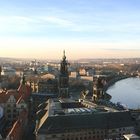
<point x="84" y="28"/>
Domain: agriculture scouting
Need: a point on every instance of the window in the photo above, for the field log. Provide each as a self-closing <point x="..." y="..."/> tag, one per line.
<point x="113" y="130"/>
<point x="120" y="135"/>
<point x="22" y="106"/>
<point x="14" y="116"/>
<point x="9" y="116"/>
<point x="53" y="136"/>
<point x="89" y="133"/>
<point x="8" y="111"/>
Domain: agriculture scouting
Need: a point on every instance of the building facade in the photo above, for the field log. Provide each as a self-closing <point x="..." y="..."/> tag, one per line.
<point x="67" y="120"/>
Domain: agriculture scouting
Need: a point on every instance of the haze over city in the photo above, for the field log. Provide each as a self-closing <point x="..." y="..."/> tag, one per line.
<point x="85" y="29"/>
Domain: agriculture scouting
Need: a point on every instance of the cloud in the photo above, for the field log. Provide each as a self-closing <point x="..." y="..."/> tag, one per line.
<point x="57" y="21"/>
<point x="89" y="20"/>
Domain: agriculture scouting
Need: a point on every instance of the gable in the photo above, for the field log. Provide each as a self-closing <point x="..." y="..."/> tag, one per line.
<point x="11" y="99"/>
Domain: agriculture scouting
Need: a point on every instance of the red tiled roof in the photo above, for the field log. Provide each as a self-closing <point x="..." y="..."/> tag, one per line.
<point x="19" y="99"/>
<point x="17" y="130"/>
<point x="24" y="91"/>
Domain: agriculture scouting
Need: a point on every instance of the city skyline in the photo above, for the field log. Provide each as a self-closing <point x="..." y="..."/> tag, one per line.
<point x="85" y="29"/>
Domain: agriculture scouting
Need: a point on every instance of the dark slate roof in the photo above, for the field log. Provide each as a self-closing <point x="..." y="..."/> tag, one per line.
<point x="42" y="105"/>
<point x="95" y="121"/>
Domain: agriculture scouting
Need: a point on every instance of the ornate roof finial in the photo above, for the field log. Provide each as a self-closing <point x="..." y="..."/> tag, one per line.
<point x="64" y="56"/>
<point x="23" y="79"/>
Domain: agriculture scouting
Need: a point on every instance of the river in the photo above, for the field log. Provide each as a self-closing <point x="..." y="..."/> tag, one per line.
<point x="126" y="91"/>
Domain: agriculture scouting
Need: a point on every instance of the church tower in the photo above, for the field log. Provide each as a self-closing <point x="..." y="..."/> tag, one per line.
<point x="98" y="88"/>
<point x="0" y="71"/>
<point x="64" y="78"/>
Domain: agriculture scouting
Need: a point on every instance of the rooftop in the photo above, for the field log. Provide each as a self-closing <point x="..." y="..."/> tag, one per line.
<point x="74" y="115"/>
<point x="132" y="136"/>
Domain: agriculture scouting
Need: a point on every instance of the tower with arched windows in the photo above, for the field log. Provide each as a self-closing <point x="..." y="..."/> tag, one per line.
<point x="64" y="78"/>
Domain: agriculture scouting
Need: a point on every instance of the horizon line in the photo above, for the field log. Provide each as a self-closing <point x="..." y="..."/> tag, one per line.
<point x="54" y="59"/>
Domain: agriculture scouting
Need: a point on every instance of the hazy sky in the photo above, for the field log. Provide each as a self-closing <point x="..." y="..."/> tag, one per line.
<point x="84" y="28"/>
